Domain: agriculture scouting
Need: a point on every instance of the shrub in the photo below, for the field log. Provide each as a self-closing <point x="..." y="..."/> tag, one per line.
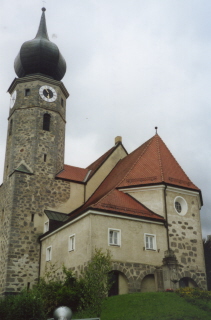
<point x="55" y="292"/>
<point x="95" y="282"/>
<point x="24" y="306"/>
<point x="196" y="296"/>
<point x="86" y="293"/>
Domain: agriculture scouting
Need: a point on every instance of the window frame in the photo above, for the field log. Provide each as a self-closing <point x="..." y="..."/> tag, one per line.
<point x="154" y="242"/>
<point x="71" y="244"/>
<point x="118" y="231"/>
<point x="49" y="253"/>
<point x="46" y="224"/>
<point x="183" y="204"/>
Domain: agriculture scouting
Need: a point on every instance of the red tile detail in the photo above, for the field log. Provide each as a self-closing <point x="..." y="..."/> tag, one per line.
<point x="72" y="173"/>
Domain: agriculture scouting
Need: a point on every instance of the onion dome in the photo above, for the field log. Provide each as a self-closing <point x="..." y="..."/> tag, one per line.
<point x="40" y="56"/>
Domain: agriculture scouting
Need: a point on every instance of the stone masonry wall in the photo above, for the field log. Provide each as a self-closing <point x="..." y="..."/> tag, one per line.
<point x="25" y="196"/>
<point x="186" y="240"/>
<point x="19" y="242"/>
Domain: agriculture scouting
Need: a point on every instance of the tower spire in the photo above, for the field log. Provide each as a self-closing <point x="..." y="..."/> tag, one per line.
<point x="40" y="56"/>
<point x="42" y="30"/>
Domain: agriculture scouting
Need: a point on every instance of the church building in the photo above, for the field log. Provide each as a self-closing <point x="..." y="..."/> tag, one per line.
<point x="141" y="206"/>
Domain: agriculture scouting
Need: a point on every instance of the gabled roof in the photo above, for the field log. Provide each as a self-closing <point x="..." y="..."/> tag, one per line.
<point x="73" y="173"/>
<point x="151" y="163"/>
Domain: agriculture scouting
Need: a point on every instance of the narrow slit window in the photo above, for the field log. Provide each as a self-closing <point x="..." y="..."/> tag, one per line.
<point x="71" y="246"/>
<point x="45" y="157"/>
<point x="46" y="122"/>
<point x="27" y="92"/>
<point x="46" y="226"/>
<point x="62" y="102"/>
<point x="48" y="253"/>
<point x="32" y="217"/>
<point x="10" y="129"/>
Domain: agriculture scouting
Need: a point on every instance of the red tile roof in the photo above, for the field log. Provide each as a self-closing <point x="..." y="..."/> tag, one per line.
<point x="79" y="174"/>
<point x="117" y="201"/>
<point x="154" y="164"/>
<point x="151" y="163"/>
<point x="72" y="173"/>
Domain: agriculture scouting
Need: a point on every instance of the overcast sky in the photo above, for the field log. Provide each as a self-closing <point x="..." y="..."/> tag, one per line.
<point x="131" y="65"/>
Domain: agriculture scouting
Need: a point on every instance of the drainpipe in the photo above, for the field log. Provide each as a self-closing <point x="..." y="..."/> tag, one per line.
<point x="39" y="270"/>
<point x="166" y="217"/>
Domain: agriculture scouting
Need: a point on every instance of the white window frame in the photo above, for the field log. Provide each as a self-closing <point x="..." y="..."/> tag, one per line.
<point x="146" y="242"/>
<point x="49" y="253"/>
<point x="46" y="226"/>
<point x="183" y="205"/>
<point x="71" y="243"/>
<point x="118" y="238"/>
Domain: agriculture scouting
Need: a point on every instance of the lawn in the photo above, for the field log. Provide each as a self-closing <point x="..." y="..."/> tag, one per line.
<point x="151" y="306"/>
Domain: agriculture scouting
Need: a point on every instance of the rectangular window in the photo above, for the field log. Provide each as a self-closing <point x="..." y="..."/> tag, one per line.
<point x="71" y="244"/>
<point x="48" y="253"/>
<point x="27" y="92"/>
<point x="150" y="241"/>
<point x="114" y="237"/>
<point x="46" y="226"/>
<point x="62" y="102"/>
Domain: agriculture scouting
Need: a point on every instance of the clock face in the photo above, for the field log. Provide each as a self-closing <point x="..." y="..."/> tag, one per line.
<point x="13" y="98"/>
<point x="48" y="93"/>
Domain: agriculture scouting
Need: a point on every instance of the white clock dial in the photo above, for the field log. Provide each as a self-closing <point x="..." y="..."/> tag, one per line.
<point x="48" y="93"/>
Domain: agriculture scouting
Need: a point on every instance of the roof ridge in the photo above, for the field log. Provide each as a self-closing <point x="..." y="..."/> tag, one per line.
<point x="159" y="157"/>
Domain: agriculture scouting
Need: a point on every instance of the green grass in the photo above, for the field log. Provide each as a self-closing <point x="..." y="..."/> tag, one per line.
<point x="151" y="306"/>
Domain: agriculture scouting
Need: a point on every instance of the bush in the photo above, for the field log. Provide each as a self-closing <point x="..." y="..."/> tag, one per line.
<point x="86" y="293"/>
<point x="196" y="296"/>
<point x="56" y="293"/>
<point x="192" y="293"/>
<point x="25" y="306"/>
<point x="95" y="282"/>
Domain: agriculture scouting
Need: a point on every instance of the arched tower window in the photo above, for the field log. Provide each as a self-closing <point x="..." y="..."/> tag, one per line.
<point x="46" y="122"/>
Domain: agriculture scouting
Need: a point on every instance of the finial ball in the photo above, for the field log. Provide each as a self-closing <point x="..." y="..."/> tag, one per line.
<point x="43" y="9"/>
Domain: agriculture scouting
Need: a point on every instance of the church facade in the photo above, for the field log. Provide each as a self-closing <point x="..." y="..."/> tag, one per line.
<point x="141" y="206"/>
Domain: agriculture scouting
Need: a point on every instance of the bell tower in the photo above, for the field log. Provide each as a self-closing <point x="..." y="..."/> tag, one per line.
<point x="34" y="155"/>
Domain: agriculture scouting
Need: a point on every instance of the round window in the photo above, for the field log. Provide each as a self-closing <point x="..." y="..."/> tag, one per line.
<point x="180" y="206"/>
